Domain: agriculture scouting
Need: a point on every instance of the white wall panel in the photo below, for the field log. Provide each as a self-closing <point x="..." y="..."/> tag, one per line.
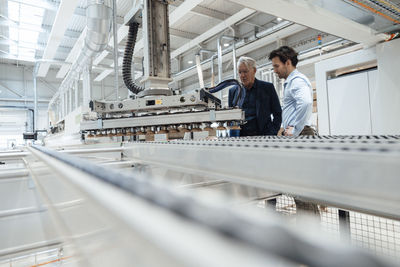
<point x="349" y="109"/>
<point x="385" y="98"/>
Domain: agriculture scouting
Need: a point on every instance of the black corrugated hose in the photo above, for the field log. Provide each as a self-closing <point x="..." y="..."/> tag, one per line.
<point x="127" y="63"/>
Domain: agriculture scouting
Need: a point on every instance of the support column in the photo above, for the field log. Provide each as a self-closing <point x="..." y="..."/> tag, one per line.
<point x="87" y="88"/>
<point x="344" y="225"/>
<point x="157" y="53"/>
<point x="76" y="94"/>
<point x="234" y="60"/>
<point x="62" y="95"/>
<point x="65" y="104"/>
<point x="59" y="110"/>
<point x="70" y="100"/>
<point x="35" y="109"/>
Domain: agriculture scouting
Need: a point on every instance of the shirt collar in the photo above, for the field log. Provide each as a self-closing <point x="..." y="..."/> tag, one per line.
<point x="291" y="76"/>
<point x="254" y="84"/>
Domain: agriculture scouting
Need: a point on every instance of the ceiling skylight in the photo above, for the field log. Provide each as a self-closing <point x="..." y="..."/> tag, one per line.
<point x="27" y="25"/>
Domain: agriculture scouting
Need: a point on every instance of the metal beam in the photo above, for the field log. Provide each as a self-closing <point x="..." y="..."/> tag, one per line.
<point x="35" y="46"/>
<point x="52" y="6"/>
<point x="183" y="34"/>
<point x="65" y="11"/>
<point x="182" y="10"/>
<point x="68" y="32"/>
<point x="105" y="73"/>
<point x="73" y="55"/>
<point x="30" y="27"/>
<point x="308" y="14"/>
<point x="213" y="31"/>
<point x="45" y="29"/>
<point x="204" y="11"/>
<point x="11" y="90"/>
<point x="23" y="100"/>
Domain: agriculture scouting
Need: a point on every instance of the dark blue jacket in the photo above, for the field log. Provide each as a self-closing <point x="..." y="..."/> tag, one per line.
<point x="267" y="103"/>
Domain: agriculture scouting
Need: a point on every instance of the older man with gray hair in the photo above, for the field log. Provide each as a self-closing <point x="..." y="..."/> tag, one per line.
<point x="258" y="99"/>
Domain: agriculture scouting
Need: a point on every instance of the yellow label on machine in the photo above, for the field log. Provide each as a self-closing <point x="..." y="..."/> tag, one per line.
<point x="158" y="101"/>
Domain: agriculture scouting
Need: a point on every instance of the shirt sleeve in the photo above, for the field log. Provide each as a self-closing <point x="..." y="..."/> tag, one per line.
<point x="301" y="92"/>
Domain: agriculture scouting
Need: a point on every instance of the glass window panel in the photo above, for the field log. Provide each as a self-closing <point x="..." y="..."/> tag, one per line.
<point x="28" y="36"/>
<point x="13" y="33"/>
<point x="13" y="11"/>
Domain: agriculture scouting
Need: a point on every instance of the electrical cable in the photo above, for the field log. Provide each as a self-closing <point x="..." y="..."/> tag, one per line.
<point x="223" y="85"/>
<point x="127" y="62"/>
<point x="375" y="11"/>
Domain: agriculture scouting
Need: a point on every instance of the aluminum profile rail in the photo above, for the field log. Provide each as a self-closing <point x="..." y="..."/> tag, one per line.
<point x="271" y="238"/>
<point x="348" y="172"/>
<point x="13" y="155"/>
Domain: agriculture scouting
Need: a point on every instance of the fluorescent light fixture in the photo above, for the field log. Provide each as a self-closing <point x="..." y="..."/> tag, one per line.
<point x="190" y="61"/>
<point x="226" y="44"/>
<point x="279" y="19"/>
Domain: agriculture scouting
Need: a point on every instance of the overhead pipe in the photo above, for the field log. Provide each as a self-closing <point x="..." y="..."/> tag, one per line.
<point x="203" y="50"/>
<point x="234" y="52"/>
<point x="115" y="36"/>
<point x="99" y="19"/>
<point x="219" y="51"/>
<point x="219" y="60"/>
<point x="212" y="70"/>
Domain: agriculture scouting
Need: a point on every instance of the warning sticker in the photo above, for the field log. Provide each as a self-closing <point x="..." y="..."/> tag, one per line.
<point x="158" y="101"/>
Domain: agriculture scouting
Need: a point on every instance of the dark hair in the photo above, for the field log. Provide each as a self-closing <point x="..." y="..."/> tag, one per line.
<point x="284" y="53"/>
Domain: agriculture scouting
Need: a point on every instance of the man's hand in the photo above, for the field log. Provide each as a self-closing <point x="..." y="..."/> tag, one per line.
<point x="289" y="131"/>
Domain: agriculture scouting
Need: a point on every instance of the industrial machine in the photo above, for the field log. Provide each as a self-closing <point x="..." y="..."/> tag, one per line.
<point x="155" y="108"/>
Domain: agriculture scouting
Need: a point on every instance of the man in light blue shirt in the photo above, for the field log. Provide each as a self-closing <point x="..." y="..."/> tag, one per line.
<point x="297" y="100"/>
<point x="297" y="105"/>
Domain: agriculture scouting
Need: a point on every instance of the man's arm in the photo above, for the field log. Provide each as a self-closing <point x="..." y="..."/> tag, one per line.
<point x="231" y="95"/>
<point x="276" y="109"/>
<point x="302" y="94"/>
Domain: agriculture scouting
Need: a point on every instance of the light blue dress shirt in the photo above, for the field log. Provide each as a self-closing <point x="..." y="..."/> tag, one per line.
<point x="297" y="102"/>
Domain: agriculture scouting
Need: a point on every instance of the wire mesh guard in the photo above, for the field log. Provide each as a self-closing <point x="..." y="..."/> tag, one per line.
<point x="379" y="235"/>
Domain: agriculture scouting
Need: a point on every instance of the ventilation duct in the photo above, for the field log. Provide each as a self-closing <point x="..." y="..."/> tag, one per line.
<point x="99" y="19"/>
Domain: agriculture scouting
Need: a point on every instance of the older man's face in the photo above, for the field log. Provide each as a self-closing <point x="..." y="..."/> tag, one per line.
<point x="247" y="75"/>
